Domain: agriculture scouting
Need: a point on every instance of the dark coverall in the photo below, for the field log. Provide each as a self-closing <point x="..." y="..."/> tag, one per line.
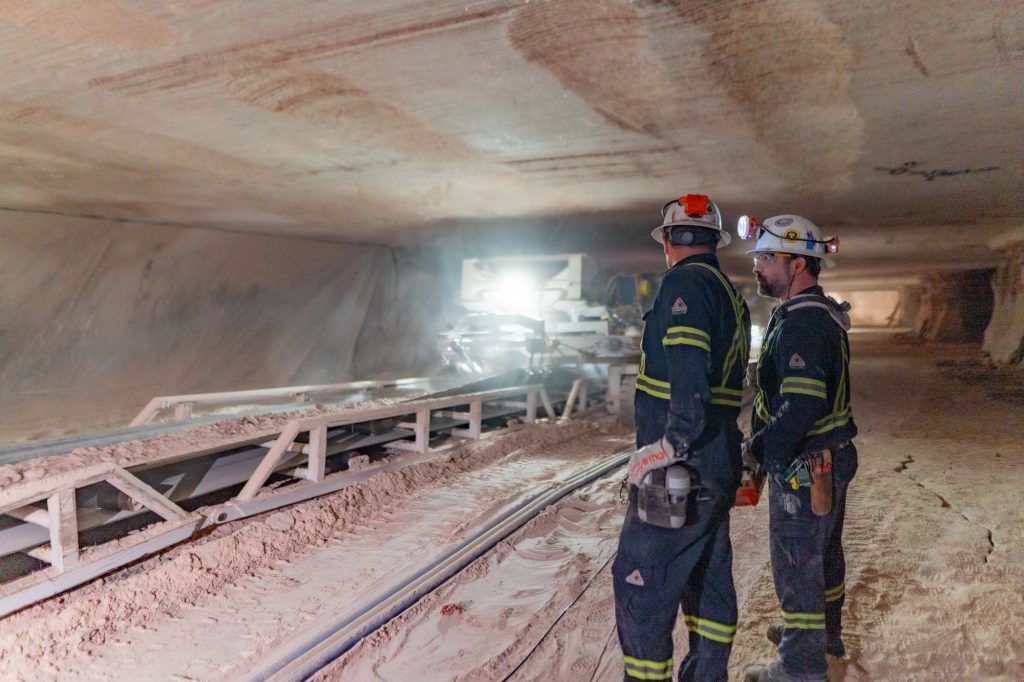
<point x="695" y="345"/>
<point x="803" y="405"/>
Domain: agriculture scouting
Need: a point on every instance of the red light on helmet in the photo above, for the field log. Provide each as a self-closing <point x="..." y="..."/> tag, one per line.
<point x="695" y="205"/>
<point x="746" y="226"/>
<point x="832" y="245"/>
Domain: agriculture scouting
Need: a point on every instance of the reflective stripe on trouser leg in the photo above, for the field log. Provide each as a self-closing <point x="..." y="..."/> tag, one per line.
<point x="648" y="575"/>
<point x="835" y="565"/>
<point x="709" y="629"/>
<point x="835" y="593"/>
<point x="640" y="669"/>
<point x="797" y="542"/>
<point x="709" y="608"/>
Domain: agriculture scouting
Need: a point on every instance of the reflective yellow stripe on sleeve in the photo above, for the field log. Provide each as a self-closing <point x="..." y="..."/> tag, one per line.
<point x="804" y="386"/>
<point x="761" y="408"/>
<point x="653" y="387"/>
<point x="829" y="422"/>
<point x="729" y="397"/>
<point x="689" y="336"/>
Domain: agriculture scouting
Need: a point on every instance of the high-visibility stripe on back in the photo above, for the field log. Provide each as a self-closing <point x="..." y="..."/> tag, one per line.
<point x="738" y="348"/>
<point x="721" y="395"/>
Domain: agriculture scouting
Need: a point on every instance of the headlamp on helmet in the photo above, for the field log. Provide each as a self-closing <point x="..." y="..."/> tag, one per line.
<point x="690" y="210"/>
<point x="694" y="205"/>
<point x="745" y="226"/>
<point x="748" y="227"/>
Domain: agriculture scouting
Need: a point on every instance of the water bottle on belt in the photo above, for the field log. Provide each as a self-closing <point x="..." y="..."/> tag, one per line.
<point x="661" y="496"/>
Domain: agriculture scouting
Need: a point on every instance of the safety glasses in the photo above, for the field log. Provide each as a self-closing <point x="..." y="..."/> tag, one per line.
<point x="768" y="257"/>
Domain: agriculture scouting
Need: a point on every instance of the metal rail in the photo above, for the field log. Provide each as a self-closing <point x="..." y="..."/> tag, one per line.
<point x="301" y="448"/>
<point x="143" y="425"/>
<point x="183" y="405"/>
<point x="302" y="655"/>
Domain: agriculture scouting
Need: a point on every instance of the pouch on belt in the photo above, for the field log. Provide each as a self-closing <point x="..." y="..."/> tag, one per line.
<point x="813" y="470"/>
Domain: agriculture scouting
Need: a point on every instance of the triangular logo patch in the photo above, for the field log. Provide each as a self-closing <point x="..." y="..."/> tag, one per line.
<point x="635" y="578"/>
<point x="679" y="307"/>
<point x="797" y="362"/>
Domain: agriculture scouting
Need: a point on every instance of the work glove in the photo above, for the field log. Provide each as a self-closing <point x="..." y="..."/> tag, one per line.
<point x="651" y="457"/>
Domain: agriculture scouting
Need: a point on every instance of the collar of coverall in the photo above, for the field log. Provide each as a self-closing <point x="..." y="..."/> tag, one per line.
<point x="708" y="258"/>
<point x="840" y="312"/>
<point x="813" y="289"/>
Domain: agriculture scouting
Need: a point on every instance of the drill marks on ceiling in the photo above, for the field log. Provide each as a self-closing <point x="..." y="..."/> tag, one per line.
<point x="912" y="168"/>
<point x="316" y="97"/>
<point x="324" y="41"/>
<point x="787" y="67"/>
<point x="371" y="132"/>
<point x="625" y="163"/>
<point x="600" y="51"/>
<point x="104" y="23"/>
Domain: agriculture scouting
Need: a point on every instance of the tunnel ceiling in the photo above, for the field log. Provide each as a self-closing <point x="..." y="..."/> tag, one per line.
<point x="552" y="124"/>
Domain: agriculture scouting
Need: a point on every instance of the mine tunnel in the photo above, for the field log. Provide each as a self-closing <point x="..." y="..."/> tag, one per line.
<point x="323" y="334"/>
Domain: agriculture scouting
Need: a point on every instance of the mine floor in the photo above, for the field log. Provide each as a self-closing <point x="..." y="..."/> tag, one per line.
<point x="935" y="557"/>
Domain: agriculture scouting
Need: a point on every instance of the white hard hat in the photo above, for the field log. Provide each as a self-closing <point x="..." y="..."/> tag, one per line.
<point x="789" y="234"/>
<point x="693" y="209"/>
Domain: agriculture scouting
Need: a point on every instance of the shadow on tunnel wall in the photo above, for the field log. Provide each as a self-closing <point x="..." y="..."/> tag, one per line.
<point x="955" y="306"/>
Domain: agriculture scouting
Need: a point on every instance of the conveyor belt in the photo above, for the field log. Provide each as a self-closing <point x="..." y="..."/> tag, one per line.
<point x="99" y="500"/>
<point x="20" y="452"/>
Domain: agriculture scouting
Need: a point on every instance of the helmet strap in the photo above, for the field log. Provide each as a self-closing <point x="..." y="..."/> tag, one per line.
<point x="792" y="276"/>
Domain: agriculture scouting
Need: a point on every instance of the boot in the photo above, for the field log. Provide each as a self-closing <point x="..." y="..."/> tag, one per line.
<point x="834" y="647"/>
<point x="773" y="672"/>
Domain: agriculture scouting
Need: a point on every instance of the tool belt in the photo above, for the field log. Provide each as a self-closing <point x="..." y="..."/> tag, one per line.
<point x="813" y="470"/>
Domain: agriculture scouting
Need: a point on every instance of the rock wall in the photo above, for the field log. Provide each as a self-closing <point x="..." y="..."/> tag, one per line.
<point x="910" y="304"/>
<point x="1004" y="337"/>
<point x="954" y="306"/>
<point x="872" y="308"/>
<point x="99" y="317"/>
